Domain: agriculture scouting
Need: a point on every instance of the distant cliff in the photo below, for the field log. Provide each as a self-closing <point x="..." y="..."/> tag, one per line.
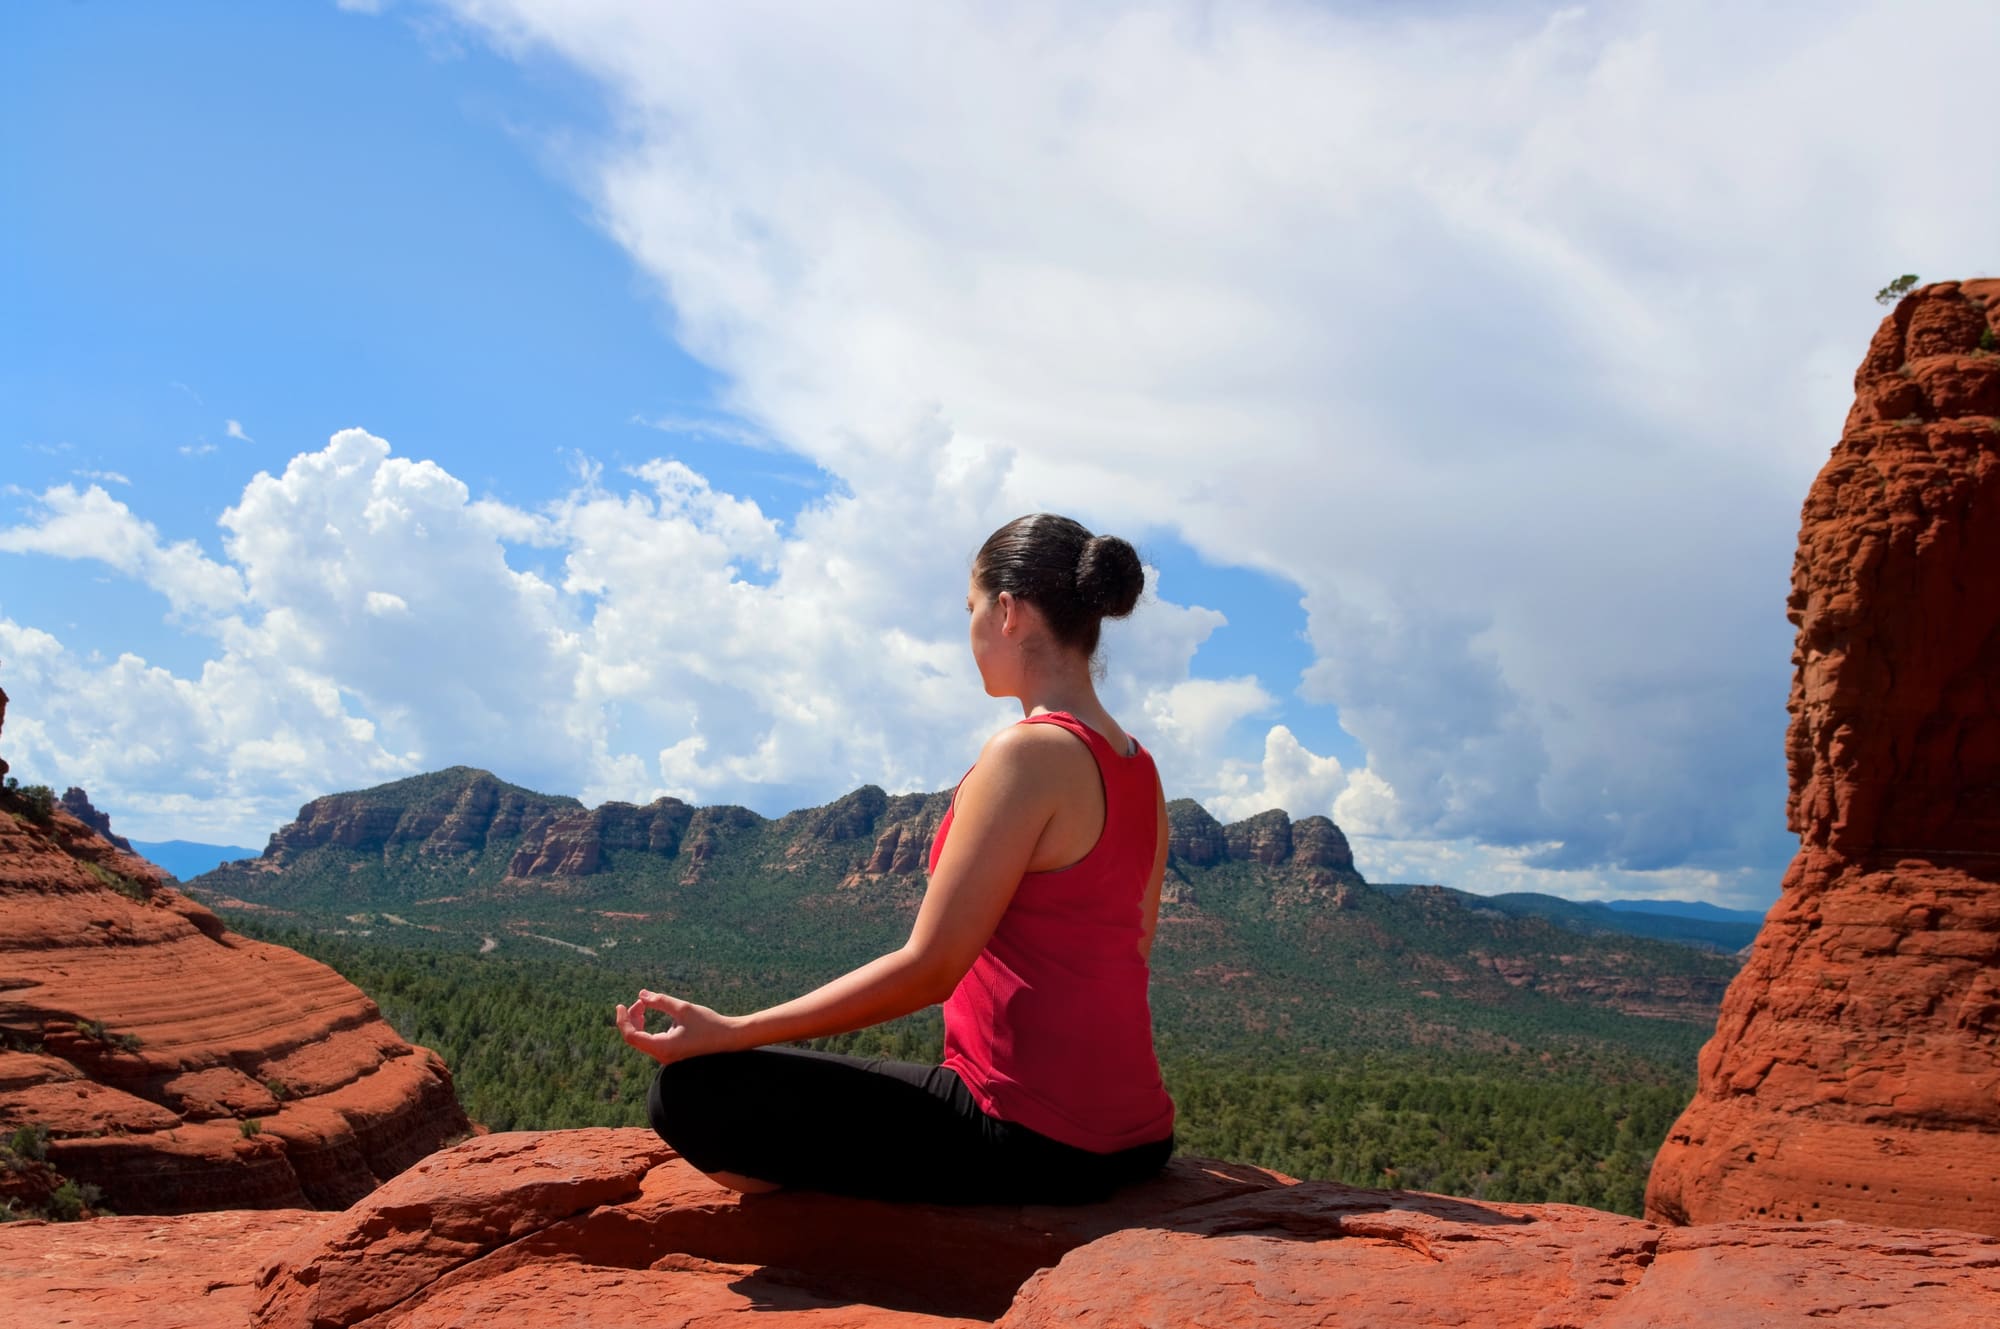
<point x="1261" y="919"/>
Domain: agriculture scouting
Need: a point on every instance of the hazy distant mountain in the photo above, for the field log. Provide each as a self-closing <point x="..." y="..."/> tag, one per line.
<point x="186" y="858"/>
<point x="1688" y="909"/>
<point x="1728" y="930"/>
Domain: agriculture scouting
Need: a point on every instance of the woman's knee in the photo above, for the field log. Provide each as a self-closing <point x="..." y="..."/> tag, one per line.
<point x="675" y="1097"/>
<point x="694" y="1105"/>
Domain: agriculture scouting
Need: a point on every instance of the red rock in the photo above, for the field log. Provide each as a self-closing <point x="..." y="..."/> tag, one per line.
<point x="194" y="1271"/>
<point x="1321" y="1254"/>
<point x="452" y="812"/>
<point x="606" y="1228"/>
<point x="1318" y="843"/>
<point x="575" y="845"/>
<point x="143" y="1034"/>
<point x="1265" y="838"/>
<point x="1855" y="1068"/>
<point x="1193" y="835"/>
<point x="77" y="804"/>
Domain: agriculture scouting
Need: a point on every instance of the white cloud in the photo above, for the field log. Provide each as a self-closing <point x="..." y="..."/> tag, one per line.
<point x="1511" y="337"/>
<point x="374" y="626"/>
<point x="94" y="525"/>
<point x="215" y="758"/>
<point x="108" y="477"/>
<point x="1190" y="719"/>
<point x="1290" y="776"/>
<point x="235" y="430"/>
<point x="197" y="449"/>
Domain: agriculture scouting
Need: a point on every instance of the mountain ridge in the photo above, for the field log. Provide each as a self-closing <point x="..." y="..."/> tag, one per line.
<point x="1265" y="925"/>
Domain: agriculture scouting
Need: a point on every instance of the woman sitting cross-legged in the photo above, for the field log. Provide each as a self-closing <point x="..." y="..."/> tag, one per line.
<point x="1035" y="931"/>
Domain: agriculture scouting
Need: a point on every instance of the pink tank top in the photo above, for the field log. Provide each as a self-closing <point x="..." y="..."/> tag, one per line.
<point x="1051" y="1026"/>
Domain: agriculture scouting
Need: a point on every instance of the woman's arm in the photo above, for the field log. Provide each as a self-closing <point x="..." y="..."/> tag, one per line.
<point x="998" y="816"/>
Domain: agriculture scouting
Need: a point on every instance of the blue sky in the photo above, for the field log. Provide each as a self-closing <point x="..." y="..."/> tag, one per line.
<point x="1460" y="371"/>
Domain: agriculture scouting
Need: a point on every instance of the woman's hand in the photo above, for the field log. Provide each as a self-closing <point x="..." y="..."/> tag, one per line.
<point x="696" y="1030"/>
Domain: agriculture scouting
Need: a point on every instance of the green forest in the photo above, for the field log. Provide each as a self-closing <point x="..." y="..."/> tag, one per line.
<point x="1544" y="1118"/>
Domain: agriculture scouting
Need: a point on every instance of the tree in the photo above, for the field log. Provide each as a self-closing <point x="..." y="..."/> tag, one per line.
<point x="1896" y="289"/>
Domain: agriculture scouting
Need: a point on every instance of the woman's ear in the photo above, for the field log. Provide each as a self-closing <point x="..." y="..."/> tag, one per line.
<point x="1011" y="620"/>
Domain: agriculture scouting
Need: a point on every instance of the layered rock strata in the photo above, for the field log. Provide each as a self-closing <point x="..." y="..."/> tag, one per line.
<point x="608" y="1228"/>
<point x="1855" y="1069"/>
<point x="178" y="1066"/>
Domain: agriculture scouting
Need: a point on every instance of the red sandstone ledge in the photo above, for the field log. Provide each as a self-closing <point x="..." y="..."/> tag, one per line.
<point x="609" y="1228"/>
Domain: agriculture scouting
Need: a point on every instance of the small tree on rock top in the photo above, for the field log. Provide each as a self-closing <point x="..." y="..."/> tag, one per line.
<point x="1896" y="289"/>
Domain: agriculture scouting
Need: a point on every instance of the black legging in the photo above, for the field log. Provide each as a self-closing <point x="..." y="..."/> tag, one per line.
<point x="890" y="1130"/>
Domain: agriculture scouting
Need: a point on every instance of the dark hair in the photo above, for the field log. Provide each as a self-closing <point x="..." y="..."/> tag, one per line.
<point x="1075" y="578"/>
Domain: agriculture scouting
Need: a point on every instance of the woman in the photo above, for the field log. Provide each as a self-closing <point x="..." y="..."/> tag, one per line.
<point x="1035" y="931"/>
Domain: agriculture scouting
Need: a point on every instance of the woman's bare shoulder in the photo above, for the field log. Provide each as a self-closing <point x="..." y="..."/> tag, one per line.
<point x="1044" y="749"/>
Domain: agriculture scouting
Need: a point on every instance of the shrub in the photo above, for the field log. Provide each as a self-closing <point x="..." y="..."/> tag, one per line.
<point x="67" y="1202"/>
<point x="279" y="1089"/>
<point x="31" y="1142"/>
<point x="93" y="1030"/>
<point x="38" y="800"/>
<point x="117" y="881"/>
<point x="248" y="1127"/>
<point x="1986" y="338"/>
<point x="1896" y="289"/>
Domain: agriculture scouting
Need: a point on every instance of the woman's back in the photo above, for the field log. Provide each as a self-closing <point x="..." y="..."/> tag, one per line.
<point x="1051" y="1027"/>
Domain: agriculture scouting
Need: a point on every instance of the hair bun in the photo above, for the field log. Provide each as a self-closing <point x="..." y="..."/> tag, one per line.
<point x="1109" y="575"/>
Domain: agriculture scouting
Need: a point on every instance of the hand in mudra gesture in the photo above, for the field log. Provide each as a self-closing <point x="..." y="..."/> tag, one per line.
<point x="696" y="1030"/>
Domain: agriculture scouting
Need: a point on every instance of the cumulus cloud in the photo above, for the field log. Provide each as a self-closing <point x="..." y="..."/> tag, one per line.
<point x="369" y="624"/>
<point x="1290" y="776"/>
<point x="1512" y="337"/>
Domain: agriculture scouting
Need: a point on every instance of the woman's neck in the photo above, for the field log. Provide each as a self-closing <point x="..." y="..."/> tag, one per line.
<point x="1065" y="689"/>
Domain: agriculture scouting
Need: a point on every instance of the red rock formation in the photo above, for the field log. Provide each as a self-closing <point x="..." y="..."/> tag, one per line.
<point x="78" y="805"/>
<point x="576" y="845"/>
<point x="449" y="812"/>
<point x="1318" y="843"/>
<point x="1265" y="838"/>
<point x="1855" y="1069"/>
<point x="709" y="832"/>
<point x="607" y="1228"/>
<point x="1270" y="838"/>
<point x="1193" y="836"/>
<point x="144" y="1035"/>
<point x="902" y="844"/>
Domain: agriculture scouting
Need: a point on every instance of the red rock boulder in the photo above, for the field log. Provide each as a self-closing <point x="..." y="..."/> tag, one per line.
<point x="607" y="1228"/>
<point x="1855" y="1068"/>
